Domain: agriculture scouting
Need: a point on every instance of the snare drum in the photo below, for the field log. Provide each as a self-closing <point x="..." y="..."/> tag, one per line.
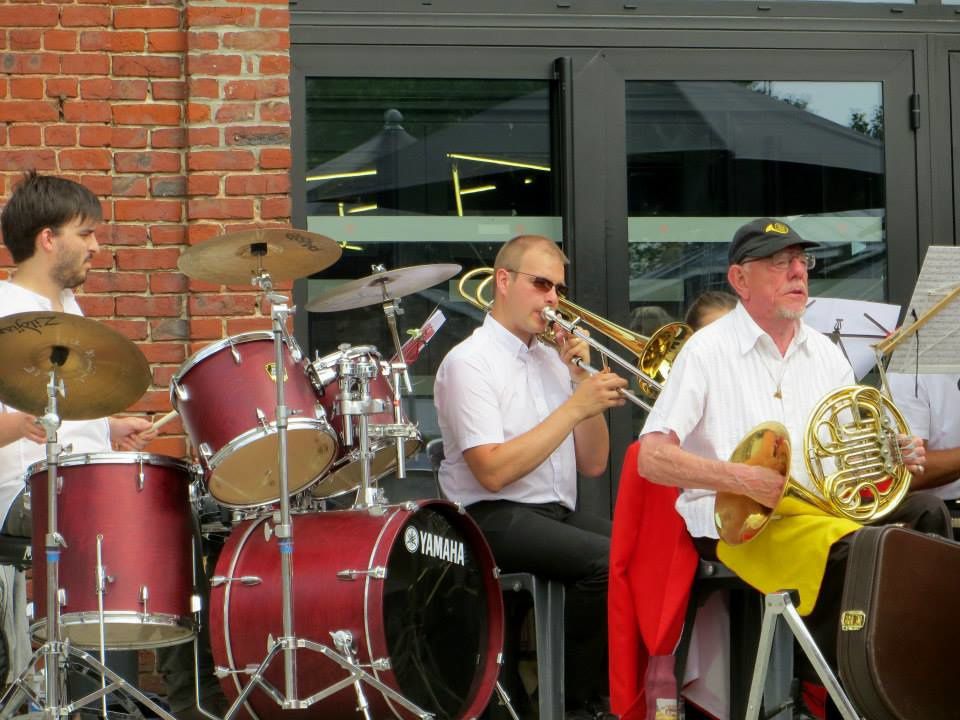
<point x="345" y="474"/>
<point x="226" y="395"/>
<point x="415" y="586"/>
<point x="137" y="507"/>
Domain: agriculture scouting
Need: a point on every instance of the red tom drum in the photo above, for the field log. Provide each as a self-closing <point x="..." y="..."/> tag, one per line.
<point x="415" y="586"/>
<point x="346" y="472"/>
<point x="139" y="504"/>
<point x="226" y="395"/>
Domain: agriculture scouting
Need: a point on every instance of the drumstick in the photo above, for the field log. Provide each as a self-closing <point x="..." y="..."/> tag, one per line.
<point x="164" y="420"/>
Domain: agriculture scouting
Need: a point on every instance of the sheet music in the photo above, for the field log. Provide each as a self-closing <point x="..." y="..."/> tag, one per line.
<point x="935" y="347"/>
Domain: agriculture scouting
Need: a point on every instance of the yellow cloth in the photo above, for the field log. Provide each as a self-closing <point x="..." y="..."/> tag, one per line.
<point x="790" y="553"/>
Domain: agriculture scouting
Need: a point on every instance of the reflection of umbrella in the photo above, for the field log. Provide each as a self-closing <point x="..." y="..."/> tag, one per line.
<point x="727" y="116"/>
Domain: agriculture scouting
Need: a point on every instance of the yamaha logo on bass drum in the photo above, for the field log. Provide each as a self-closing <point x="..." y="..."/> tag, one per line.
<point x="433" y="546"/>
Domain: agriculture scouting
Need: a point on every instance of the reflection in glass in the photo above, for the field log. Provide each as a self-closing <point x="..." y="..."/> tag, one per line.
<point x="407" y="172"/>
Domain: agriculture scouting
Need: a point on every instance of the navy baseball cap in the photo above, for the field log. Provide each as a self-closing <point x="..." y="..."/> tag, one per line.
<point x="762" y="238"/>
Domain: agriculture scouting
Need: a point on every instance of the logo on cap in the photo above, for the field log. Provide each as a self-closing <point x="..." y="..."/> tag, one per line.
<point x="778" y="228"/>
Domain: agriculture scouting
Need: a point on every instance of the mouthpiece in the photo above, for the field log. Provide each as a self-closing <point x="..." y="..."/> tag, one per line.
<point x="549" y="314"/>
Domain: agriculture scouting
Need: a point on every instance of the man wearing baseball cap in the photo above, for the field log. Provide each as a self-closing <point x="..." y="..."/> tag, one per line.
<point x="762" y="363"/>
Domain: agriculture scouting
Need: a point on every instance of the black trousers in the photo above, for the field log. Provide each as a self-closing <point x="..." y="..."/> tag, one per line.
<point x="573" y="547"/>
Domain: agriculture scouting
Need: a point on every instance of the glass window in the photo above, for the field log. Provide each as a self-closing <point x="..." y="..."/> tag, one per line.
<point x="405" y="172"/>
<point x="706" y="157"/>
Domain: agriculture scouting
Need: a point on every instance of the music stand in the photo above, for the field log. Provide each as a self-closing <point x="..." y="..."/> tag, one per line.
<point x="855" y="326"/>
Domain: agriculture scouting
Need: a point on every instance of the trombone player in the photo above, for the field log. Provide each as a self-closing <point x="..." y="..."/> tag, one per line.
<point x="760" y="363"/>
<point x="518" y="421"/>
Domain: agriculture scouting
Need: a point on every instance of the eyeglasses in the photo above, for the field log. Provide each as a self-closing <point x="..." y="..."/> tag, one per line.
<point x="782" y="260"/>
<point x="542" y="284"/>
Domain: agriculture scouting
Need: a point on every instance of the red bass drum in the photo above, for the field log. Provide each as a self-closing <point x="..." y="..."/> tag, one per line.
<point x="416" y="587"/>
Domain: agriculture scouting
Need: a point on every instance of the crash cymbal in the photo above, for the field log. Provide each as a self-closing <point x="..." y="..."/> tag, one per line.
<point x="386" y="285"/>
<point x="285" y="253"/>
<point x="102" y="372"/>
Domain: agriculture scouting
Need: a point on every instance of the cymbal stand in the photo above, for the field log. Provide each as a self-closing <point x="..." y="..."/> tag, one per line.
<point x="55" y="652"/>
<point x="289" y="643"/>
<point x="356" y="372"/>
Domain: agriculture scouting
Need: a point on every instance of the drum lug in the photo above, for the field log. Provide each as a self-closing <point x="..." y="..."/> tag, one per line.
<point x="31" y="611"/>
<point x="218" y="580"/>
<point x="141" y="480"/>
<point x="378" y="573"/>
<point x="234" y="351"/>
<point x="262" y="419"/>
<point x="196" y="603"/>
<point x="62" y="597"/>
<point x="206" y="453"/>
<point x="381" y="664"/>
<point x="179" y="390"/>
<point x="144" y="596"/>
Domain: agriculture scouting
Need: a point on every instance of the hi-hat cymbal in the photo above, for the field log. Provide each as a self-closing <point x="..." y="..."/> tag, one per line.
<point x="102" y="371"/>
<point x="285" y="253"/>
<point x="382" y="286"/>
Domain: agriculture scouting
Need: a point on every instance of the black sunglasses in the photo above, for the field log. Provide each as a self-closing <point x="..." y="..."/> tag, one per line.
<point x="541" y="283"/>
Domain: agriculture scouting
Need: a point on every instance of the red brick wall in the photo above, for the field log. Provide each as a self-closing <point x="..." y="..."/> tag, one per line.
<point x="177" y="115"/>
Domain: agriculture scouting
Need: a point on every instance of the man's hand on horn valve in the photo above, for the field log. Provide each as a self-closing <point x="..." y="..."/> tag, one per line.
<point x="913" y="453"/>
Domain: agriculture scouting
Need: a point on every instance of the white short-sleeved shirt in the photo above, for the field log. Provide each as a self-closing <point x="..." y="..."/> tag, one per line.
<point x="723" y="384"/>
<point x="85" y="436"/>
<point x="930" y="403"/>
<point x="490" y="389"/>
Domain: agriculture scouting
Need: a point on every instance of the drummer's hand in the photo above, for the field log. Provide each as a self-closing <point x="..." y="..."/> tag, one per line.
<point x="913" y="452"/>
<point x="131" y="433"/>
<point x="31" y="429"/>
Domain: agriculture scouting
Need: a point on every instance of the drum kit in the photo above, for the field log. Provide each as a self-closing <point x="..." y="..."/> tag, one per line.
<point x="382" y="610"/>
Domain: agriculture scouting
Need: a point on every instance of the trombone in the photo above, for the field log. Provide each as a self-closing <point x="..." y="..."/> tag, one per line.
<point x="655" y="355"/>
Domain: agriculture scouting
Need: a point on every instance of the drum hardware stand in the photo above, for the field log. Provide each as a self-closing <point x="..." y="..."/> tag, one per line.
<point x="391" y="308"/>
<point x="777" y="605"/>
<point x="55" y="651"/>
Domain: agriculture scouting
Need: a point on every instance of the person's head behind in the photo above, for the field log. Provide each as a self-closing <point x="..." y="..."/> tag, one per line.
<point x="529" y="273"/>
<point x="709" y="306"/>
<point x="647" y="319"/>
<point x="44" y="201"/>
<point x="768" y="266"/>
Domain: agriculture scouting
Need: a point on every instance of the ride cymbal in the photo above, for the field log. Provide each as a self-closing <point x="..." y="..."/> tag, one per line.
<point x="383" y="286"/>
<point x="102" y="371"/>
<point x="285" y="253"/>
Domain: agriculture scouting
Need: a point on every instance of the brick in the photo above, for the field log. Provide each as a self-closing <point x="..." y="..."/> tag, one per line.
<point x="213" y="64"/>
<point x="275" y="207"/>
<point x="19" y="160"/>
<point x="104" y="257"/>
<point x="129" y="234"/>
<point x="197" y="113"/>
<point x="167" y="210"/>
<point x="60" y="135"/>
<point x="140" y="306"/>
<point x="86" y="111"/>
<point x="220" y="209"/>
<point x="275" y="65"/>
<point x="222" y="305"/>
<point x="21" y="15"/>
<point x="275" y="159"/>
<point x="167" y="235"/>
<point x="257" y="89"/>
<point x="28" y="88"/>
<point x="28" y="111"/>
<point x="86" y="160"/>
<point x="96" y="305"/>
<point x="96" y="135"/>
<point x="127" y="89"/>
<point x="129" y="137"/>
<point x="159" y="352"/>
<point x="85" y="16"/>
<point x="205" y="16"/>
<point x="146" y="17"/>
<point x="146" y="162"/>
<point x="197" y="233"/>
<point x="273" y="18"/>
<point x="258" y="135"/>
<point x="168" y="138"/>
<point x="171" y="328"/>
<point x="113" y="41"/>
<point x="147" y="258"/>
<point x="203" y="41"/>
<point x="222" y="160"/>
<point x="257" y="40"/>
<point x="206" y="328"/>
<point x="260" y="184"/>
<point x="30" y="63"/>
<point x="169" y="90"/>
<point x="147" y="66"/>
<point x="25" y="39"/>
<point x="62" y="87"/>
<point x="203" y="184"/>
<point x="173" y="41"/>
<point x="153" y="401"/>
<point x="130" y="329"/>
<point x="243" y="325"/>
<point x="236" y="112"/>
<point x="198" y="137"/>
<point x="109" y="282"/>
<point x="84" y="63"/>
<point x="100" y="186"/>
<point x="168" y="282"/>
<point x="169" y="446"/>
<point x="60" y="40"/>
<point x="129" y="186"/>
<point x="168" y="186"/>
<point x="203" y="88"/>
<point x="147" y="114"/>
<point x="274" y="112"/>
<point x="25" y="135"/>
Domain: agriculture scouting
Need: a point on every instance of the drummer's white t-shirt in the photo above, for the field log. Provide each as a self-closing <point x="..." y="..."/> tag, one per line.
<point x="85" y="436"/>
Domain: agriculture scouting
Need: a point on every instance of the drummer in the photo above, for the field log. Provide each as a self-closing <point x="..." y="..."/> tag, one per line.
<point x="49" y="225"/>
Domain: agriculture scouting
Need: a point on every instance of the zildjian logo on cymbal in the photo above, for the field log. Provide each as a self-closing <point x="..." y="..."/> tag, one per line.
<point x="34" y="325"/>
